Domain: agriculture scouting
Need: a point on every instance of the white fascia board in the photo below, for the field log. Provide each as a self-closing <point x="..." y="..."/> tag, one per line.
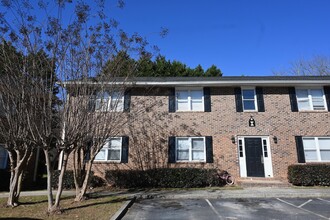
<point x="237" y="83"/>
<point x="220" y="83"/>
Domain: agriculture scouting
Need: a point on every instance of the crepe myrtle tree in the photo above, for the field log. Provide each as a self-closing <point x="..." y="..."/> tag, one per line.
<point x="20" y="79"/>
<point x="78" y="48"/>
<point x="95" y="110"/>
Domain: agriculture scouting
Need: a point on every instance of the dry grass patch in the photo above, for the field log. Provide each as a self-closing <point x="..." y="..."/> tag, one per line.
<point x="35" y="207"/>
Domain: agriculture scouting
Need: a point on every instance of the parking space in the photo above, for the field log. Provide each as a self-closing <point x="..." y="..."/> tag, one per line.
<point x="270" y="208"/>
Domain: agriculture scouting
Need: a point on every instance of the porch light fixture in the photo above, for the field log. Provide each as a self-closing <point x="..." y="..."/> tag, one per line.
<point x="275" y="139"/>
<point x="252" y="122"/>
<point x="233" y="139"/>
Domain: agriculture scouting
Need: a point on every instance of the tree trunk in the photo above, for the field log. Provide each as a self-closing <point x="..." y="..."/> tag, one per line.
<point x="49" y="180"/>
<point x="82" y="191"/>
<point x="13" y="196"/>
<point x="17" y="169"/>
<point x="60" y="180"/>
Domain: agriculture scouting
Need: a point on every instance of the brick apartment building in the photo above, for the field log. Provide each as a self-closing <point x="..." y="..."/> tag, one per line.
<point x="250" y="126"/>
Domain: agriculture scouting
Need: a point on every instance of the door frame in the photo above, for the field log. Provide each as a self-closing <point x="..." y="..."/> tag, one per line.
<point x="266" y="153"/>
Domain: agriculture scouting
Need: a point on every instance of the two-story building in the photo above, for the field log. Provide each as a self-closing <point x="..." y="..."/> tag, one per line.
<point x="250" y="126"/>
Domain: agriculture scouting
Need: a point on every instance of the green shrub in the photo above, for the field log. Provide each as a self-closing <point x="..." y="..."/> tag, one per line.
<point x="309" y="174"/>
<point x="68" y="180"/>
<point x="164" y="178"/>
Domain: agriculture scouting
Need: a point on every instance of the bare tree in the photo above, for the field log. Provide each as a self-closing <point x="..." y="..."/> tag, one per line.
<point x="316" y="66"/>
<point x="78" y="50"/>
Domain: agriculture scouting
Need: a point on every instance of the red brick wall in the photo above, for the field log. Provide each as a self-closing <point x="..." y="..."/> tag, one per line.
<point x="151" y="125"/>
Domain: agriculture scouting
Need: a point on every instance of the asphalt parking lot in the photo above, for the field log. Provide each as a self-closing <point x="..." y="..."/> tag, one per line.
<point x="239" y="208"/>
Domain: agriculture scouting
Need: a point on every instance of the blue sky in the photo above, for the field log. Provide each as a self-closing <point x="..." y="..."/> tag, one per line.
<point x="241" y="37"/>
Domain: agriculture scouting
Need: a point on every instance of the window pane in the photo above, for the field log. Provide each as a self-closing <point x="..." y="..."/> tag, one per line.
<point x="100" y="155"/>
<point x="197" y="105"/>
<point x="183" y="154"/>
<point x="198" y="144"/>
<point x="115" y="143"/>
<point x="325" y="155"/>
<point x="196" y="95"/>
<point x="248" y="105"/>
<point x="316" y="93"/>
<point x="182" y="105"/>
<point x="183" y="145"/>
<point x="114" y="154"/>
<point x="310" y="155"/>
<point x="198" y="155"/>
<point x="318" y="104"/>
<point x="182" y="100"/>
<point x="302" y="93"/>
<point x="248" y="93"/>
<point x="309" y="143"/>
<point x="324" y="143"/>
<point x="304" y="105"/>
<point x="182" y="95"/>
<point x="198" y="149"/>
<point x="117" y="101"/>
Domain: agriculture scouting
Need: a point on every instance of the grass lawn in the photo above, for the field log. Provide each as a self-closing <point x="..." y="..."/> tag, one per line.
<point x="35" y="207"/>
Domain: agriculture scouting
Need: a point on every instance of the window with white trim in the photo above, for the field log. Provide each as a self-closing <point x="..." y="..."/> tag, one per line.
<point x="190" y="149"/>
<point x="310" y="99"/>
<point x="105" y="101"/>
<point x="317" y="149"/>
<point x="3" y="157"/>
<point x="189" y="99"/>
<point x="249" y="99"/>
<point x="111" y="151"/>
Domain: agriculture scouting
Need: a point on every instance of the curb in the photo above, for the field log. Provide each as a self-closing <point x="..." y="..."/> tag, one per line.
<point x="123" y="209"/>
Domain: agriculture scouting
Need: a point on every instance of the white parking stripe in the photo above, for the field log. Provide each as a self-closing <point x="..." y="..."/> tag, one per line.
<point x="323" y="200"/>
<point x="305" y="203"/>
<point x="321" y="216"/>
<point x="214" y="210"/>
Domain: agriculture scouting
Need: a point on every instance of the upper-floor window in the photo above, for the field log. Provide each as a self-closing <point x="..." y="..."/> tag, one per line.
<point x="3" y="157"/>
<point x="310" y="99"/>
<point x="249" y="99"/>
<point x="189" y="99"/>
<point x="106" y="101"/>
<point x="190" y="149"/>
<point x="111" y="151"/>
<point x="316" y="149"/>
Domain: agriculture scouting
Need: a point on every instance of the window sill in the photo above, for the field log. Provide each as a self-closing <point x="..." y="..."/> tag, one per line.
<point x="190" y="162"/>
<point x="190" y="111"/>
<point x="106" y="161"/>
<point x="312" y="111"/>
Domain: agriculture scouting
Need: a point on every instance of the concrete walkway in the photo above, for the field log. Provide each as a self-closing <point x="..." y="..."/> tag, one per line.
<point x="227" y="192"/>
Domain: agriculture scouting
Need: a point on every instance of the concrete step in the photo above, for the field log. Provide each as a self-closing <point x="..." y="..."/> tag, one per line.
<point x="261" y="182"/>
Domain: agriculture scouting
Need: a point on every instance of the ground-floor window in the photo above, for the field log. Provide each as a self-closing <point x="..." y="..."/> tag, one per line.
<point x="111" y="151"/>
<point x="316" y="149"/>
<point x="190" y="149"/>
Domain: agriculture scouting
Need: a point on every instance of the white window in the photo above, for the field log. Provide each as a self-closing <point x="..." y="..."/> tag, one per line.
<point x="189" y="100"/>
<point x="3" y="157"/>
<point x="190" y="149"/>
<point x="317" y="149"/>
<point x="310" y="99"/>
<point x="105" y="102"/>
<point x="249" y="99"/>
<point x="111" y="151"/>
